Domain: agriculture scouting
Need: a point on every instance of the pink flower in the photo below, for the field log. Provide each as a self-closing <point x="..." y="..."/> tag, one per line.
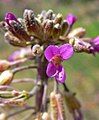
<point x="55" y="55"/>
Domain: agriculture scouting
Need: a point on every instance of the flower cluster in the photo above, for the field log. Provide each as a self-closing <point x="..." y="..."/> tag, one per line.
<point x="46" y="39"/>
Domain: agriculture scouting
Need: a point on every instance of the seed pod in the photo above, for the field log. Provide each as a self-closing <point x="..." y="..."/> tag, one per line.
<point x="58" y="18"/>
<point x="6" y="77"/>
<point x="64" y="27"/>
<point x="61" y="110"/>
<point x="4" y="65"/>
<point x="53" y="105"/>
<point x="78" y="32"/>
<point x="11" y="39"/>
<point x="45" y="116"/>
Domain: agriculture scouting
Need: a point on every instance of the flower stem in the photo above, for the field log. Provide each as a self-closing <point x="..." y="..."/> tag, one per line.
<point x="23" y="68"/>
<point x="20" y="111"/>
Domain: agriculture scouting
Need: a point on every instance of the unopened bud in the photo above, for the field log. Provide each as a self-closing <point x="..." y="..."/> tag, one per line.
<point x="4" y="65"/>
<point x="78" y="32"/>
<point x="32" y="24"/>
<point x="56" y="31"/>
<point x="49" y="14"/>
<point x="6" y="77"/>
<point x="37" y="50"/>
<point x="48" y="29"/>
<point x="19" y="31"/>
<point x="64" y="27"/>
<point x="79" y="45"/>
<point x="58" y="18"/>
<point x="11" y="39"/>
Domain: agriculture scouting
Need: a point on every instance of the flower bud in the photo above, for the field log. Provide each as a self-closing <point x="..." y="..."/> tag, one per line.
<point x="58" y="18"/>
<point x="79" y="45"/>
<point x="71" y="19"/>
<point x="4" y="64"/>
<point x="64" y="27"/>
<point x="32" y="24"/>
<point x="11" y="39"/>
<point x="49" y="14"/>
<point x="48" y="28"/>
<point x="16" y="27"/>
<point x="78" y="32"/>
<point x="6" y="77"/>
<point x="37" y="50"/>
<point x="10" y="16"/>
<point x="95" y="44"/>
<point x="56" y="31"/>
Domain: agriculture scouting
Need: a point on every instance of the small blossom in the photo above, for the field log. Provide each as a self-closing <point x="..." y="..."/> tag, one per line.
<point x="55" y="55"/>
<point x="71" y="19"/>
<point x="95" y="45"/>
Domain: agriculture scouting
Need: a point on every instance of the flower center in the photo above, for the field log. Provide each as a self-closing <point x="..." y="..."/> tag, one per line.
<point x="56" y="60"/>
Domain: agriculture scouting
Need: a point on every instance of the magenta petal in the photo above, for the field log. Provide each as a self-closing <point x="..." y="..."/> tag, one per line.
<point x="50" y="51"/>
<point x="95" y="44"/>
<point x="10" y="16"/>
<point x="61" y="75"/>
<point x="71" y="19"/>
<point x="66" y="51"/>
<point x="51" y="70"/>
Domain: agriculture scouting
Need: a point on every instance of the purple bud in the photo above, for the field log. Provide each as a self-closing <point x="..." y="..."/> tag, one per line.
<point x="71" y="19"/>
<point x="95" y="44"/>
<point x="10" y="16"/>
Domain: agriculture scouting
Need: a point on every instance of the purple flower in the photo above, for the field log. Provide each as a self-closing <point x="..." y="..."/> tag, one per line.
<point x="95" y="45"/>
<point x="10" y="16"/>
<point x="55" y="55"/>
<point x="71" y="19"/>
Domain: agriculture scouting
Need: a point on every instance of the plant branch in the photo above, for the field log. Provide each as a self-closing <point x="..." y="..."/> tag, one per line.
<point x="44" y="99"/>
<point x="23" y="80"/>
<point x="20" y="111"/>
<point x="24" y="68"/>
<point x="18" y="62"/>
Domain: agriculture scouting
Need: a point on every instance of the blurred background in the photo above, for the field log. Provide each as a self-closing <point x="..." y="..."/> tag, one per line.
<point x="82" y="69"/>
